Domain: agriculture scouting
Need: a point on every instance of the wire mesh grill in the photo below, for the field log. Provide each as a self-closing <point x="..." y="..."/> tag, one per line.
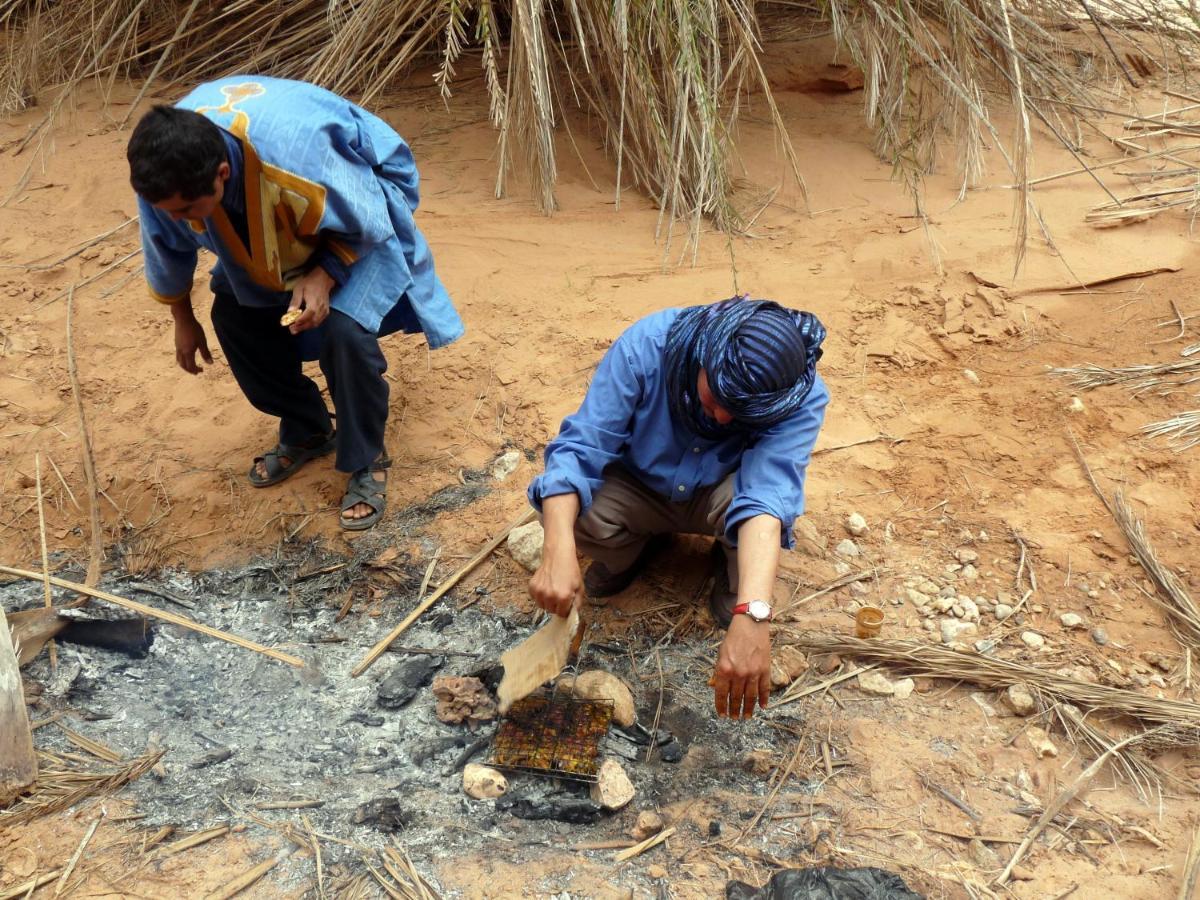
<point x="553" y="735"/>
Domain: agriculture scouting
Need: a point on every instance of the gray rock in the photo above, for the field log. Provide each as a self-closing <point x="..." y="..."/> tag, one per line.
<point x="987" y="645"/>
<point x="1099" y="635"/>
<point x="969" y="573"/>
<point x="1071" y="620"/>
<point x="847" y="547"/>
<point x="856" y="524"/>
<point x="1018" y="698"/>
<point x="525" y="545"/>
<point x="1003" y="611"/>
<point x="966" y="557"/>
<point x="1033" y="640"/>
<point x="953" y="629"/>
<point x="406" y="679"/>
<point x="506" y="464"/>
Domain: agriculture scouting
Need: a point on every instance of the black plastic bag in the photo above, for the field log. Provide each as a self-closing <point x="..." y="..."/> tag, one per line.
<point x="825" y="883"/>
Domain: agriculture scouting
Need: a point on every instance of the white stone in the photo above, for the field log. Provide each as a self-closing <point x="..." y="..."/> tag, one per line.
<point x="943" y="604"/>
<point x="970" y="376"/>
<point x="1071" y="620"/>
<point x="648" y="824"/>
<point x="903" y="688"/>
<point x="1076" y="405"/>
<point x="1018" y="698"/>
<point x="970" y="573"/>
<point x="987" y="645"/>
<point x="970" y="609"/>
<point x="953" y="629"/>
<point x="600" y="685"/>
<point x="966" y="557"/>
<point x="506" y="464"/>
<point x="1003" y="611"/>
<point x="1041" y="743"/>
<point x="875" y="683"/>
<point x="1033" y="640"/>
<point x="525" y="545"/>
<point x="613" y="790"/>
<point x="917" y="598"/>
<point x="483" y="782"/>
<point x="847" y="547"/>
<point x="856" y="524"/>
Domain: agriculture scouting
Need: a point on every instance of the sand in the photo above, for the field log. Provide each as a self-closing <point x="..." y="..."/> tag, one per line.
<point x="922" y="451"/>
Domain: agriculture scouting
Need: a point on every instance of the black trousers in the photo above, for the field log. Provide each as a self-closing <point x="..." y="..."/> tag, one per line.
<point x="266" y="363"/>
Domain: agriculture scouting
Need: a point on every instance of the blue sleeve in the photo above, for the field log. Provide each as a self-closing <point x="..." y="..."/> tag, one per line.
<point x="595" y="436"/>
<point x="770" y="480"/>
<point x="333" y="266"/>
<point x="170" y="258"/>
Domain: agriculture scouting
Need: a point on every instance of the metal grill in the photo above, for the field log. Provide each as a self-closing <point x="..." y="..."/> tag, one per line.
<point x="553" y="735"/>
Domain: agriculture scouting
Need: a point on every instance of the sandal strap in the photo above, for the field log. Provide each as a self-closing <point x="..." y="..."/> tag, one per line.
<point x="362" y="488"/>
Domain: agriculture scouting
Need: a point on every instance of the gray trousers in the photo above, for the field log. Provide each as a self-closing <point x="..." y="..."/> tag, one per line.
<point x="266" y="362"/>
<point x="625" y="514"/>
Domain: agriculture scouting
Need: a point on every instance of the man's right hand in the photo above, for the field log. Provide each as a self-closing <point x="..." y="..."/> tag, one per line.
<point x="189" y="338"/>
<point x="557" y="583"/>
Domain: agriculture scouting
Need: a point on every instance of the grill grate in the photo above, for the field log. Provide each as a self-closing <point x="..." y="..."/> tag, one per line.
<point x="553" y="735"/>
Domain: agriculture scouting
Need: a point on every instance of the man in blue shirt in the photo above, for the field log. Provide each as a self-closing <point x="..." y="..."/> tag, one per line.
<point x="698" y="421"/>
<point x="307" y="202"/>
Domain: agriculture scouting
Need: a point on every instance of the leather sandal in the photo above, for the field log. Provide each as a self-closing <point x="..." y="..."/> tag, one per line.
<point x="363" y="488"/>
<point x="299" y="455"/>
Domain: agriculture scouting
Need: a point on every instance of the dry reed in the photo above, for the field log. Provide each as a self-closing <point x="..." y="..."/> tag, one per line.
<point x="62" y="783"/>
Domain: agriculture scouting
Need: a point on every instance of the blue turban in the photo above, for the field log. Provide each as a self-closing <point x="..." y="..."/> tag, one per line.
<point x="760" y="359"/>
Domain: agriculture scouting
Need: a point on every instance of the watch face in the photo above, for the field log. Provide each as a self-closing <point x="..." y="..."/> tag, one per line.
<point x="759" y="610"/>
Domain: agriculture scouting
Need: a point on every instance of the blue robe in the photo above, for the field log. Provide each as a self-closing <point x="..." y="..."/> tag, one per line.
<point x="319" y="176"/>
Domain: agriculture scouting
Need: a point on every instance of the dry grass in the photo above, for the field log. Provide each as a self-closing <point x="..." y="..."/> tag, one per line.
<point x="63" y="782"/>
<point x="665" y="80"/>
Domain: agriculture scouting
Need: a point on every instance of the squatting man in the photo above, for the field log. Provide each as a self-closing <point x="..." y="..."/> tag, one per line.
<point x="697" y="421"/>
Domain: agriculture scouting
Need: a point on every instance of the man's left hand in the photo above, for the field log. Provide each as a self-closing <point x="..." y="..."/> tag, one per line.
<point x="311" y="294"/>
<point x="743" y="675"/>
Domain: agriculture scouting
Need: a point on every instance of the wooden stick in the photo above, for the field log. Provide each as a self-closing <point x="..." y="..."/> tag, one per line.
<point x="443" y="589"/>
<point x="37" y="468"/>
<point x="647" y="844"/>
<point x="171" y="617"/>
<point x="26" y="888"/>
<point x="1084" y="779"/>
<point x="1191" y="869"/>
<point x="248" y="878"/>
<point x="194" y="840"/>
<point x="18" y="763"/>
<point x="63" y="481"/>
<point x="89" y="463"/>
<point x="312" y="836"/>
<point x="58" y="888"/>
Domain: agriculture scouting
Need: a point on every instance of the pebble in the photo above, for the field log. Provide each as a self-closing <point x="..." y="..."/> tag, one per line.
<point x="525" y="545"/>
<point x="483" y="782"/>
<point x="1099" y="635"/>
<point x="966" y="557"/>
<point x="847" y="547"/>
<point x="1018" y="698"/>
<point x="859" y="589"/>
<point x="987" y="645"/>
<point x="983" y="855"/>
<point x="1076" y="405"/>
<point x="1003" y="611"/>
<point x="876" y="683"/>
<point x="1071" y="620"/>
<point x="970" y="573"/>
<point x="970" y="375"/>
<point x="903" y="688"/>
<point x="856" y="524"/>
<point x="947" y="591"/>
<point x="970" y="609"/>
<point x="1033" y="640"/>
<point x="506" y="464"/>
<point x="1041" y="743"/>
<point x="648" y="824"/>
<point x="918" y="599"/>
<point x="953" y="629"/>
<point x="943" y="604"/>
<point x="613" y="789"/>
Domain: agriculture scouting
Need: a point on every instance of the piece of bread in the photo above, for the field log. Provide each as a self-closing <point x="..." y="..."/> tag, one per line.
<point x="290" y="316"/>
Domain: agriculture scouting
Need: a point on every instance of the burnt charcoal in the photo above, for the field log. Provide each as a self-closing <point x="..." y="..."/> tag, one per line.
<point x="490" y="672"/>
<point x="132" y="637"/>
<point x="714" y="828"/>
<point x="398" y="689"/>
<point x="435" y="747"/>
<point x="211" y="758"/>
<point x="671" y="752"/>
<point x="825" y="883"/>
<point x="365" y="718"/>
<point x="439" y="622"/>
<point x="573" y="810"/>
<point x="383" y="813"/>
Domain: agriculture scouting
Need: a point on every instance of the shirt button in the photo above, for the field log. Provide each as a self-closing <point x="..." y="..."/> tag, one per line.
<point x="682" y="489"/>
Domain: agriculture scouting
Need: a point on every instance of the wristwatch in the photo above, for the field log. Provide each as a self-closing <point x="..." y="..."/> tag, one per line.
<point x="758" y="610"/>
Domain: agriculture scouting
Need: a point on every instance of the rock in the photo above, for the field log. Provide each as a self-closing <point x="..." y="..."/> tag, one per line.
<point x="856" y="524"/>
<point x="808" y="539"/>
<point x="859" y="589"/>
<point x="656" y="871"/>
<point x="970" y="609"/>
<point x="671" y="751"/>
<point x="525" y="545"/>
<point x="1033" y="640"/>
<point x="714" y="827"/>
<point x="1002" y="612"/>
<point x="1041" y="743"/>
<point x="917" y="598"/>
<point x="953" y="629"/>
<point x="969" y="573"/>
<point x="483" y="782"/>
<point x="903" y="688"/>
<point x="759" y="762"/>
<point x="1020" y="873"/>
<point x="966" y="557"/>
<point x="406" y="679"/>
<point x="970" y="376"/>
<point x="983" y="856"/>
<point x="827" y="662"/>
<point x="987" y="645"/>
<point x="1018" y="698"/>
<point x="600" y="685"/>
<point x="648" y="825"/>
<point x="847" y="547"/>
<point x="506" y="464"/>
<point x="1071" y="620"/>
<point x="787" y="664"/>
<point x="1159" y="661"/>
<point x="383" y="813"/>
<point x="1076" y="405"/>
<point x="463" y="699"/>
<point x="613" y="790"/>
<point x="875" y="683"/>
<point x="572" y="810"/>
<point x="943" y="604"/>
<point x="1099" y="635"/>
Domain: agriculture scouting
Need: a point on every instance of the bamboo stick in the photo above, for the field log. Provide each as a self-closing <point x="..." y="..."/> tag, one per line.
<point x="37" y="467"/>
<point x="150" y="611"/>
<point x="443" y="589"/>
<point x="18" y="763"/>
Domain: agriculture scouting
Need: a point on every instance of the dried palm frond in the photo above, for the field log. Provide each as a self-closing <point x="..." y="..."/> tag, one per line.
<point x="1089" y="375"/>
<point x="1177" y="722"/>
<point x="1182" y="431"/>
<point x="399" y="878"/>
<point x="63" y="782"/>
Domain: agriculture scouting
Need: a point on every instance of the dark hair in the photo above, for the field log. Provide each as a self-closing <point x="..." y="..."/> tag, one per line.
<point x="174" y="151"/>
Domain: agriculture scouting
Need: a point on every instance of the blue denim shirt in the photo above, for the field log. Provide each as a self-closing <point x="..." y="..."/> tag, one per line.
<point x="625" y="418"/>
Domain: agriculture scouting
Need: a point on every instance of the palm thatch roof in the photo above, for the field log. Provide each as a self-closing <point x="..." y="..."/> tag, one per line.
<point x="665" y="80"/>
